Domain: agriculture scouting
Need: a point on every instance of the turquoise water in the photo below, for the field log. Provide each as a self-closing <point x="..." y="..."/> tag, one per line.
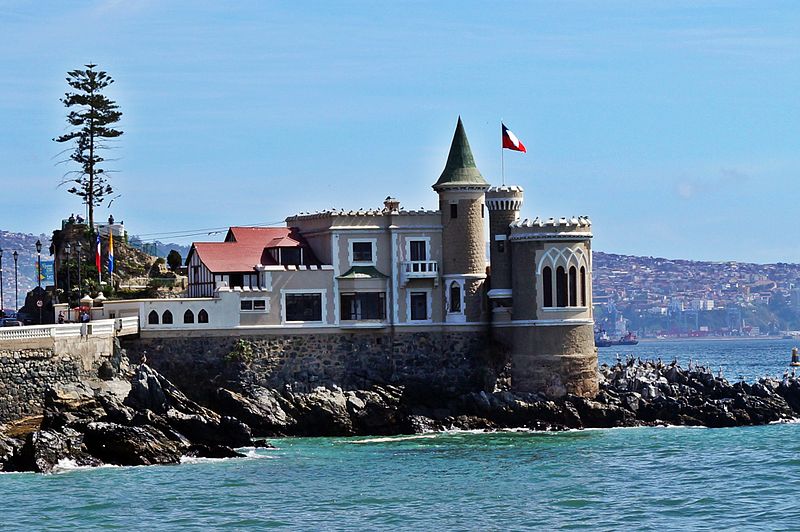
<point x="643" y="479"/>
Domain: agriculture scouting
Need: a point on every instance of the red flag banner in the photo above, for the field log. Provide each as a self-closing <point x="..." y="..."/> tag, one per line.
<point x="510" y="140"/>
<point x="97" y="254"/>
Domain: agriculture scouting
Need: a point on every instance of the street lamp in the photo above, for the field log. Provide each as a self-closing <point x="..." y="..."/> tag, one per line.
<point x="80" y="285"/>
<point x="68" y="249"/>
<point x="39" y="262"/>
<point x="16" y="285"/>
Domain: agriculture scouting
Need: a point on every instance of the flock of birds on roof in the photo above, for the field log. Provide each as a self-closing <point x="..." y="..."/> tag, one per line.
<point x="578" y="221"/>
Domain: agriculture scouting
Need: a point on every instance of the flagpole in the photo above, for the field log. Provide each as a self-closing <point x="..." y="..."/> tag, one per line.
<point x="502" y="157"/>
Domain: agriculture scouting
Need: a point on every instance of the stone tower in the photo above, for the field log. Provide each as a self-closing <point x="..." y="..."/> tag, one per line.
<point x="461" y="189"/>
<point x="504" y="204"/>
<point x="548" y="328"/>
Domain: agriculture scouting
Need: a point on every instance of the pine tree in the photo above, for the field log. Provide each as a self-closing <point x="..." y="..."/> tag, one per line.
<point x="174" y="260"/>
<point x="91" y="122"/>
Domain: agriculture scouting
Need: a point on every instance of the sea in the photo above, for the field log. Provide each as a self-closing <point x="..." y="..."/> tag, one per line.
<point x="744" y="478"/>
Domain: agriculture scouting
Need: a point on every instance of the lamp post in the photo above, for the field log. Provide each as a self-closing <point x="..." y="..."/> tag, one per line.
<point x="68" y="249"/>
<point x="16" y="285"/>
<point x="2" y="299"/>
<point x="38" y="263"/>
<point x="80" y="285"/>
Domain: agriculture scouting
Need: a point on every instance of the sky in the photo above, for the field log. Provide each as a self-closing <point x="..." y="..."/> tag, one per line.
<point x="674" y="125"/>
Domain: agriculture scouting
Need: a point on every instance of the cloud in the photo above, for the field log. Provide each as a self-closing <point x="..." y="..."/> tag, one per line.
<point x="726" y="178"/>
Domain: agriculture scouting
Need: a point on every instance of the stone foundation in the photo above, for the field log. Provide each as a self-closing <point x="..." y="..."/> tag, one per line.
<point x="555" y="360"/>
<point x="450" y="362"/>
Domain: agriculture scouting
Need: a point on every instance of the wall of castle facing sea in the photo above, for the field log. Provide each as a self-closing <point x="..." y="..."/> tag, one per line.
<point x="450" y="361"/>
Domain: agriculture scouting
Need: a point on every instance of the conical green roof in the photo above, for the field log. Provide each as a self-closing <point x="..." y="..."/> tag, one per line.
<point x="460" y="168"/>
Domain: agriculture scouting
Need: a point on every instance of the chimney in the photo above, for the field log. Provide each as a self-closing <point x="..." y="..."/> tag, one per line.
<point x="391" y="205"/>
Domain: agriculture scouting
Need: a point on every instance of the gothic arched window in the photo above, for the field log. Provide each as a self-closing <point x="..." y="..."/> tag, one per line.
<point x="561" y="287"/>
<point x="188" y="316"/>
<point x="455" y="297"/>
<point x="152" y="318"/>
<point x="573" y="286"/>
<point x="202" y="316"/>
<point x="547" y="286"/>
<point x="166" y="318"/>
<point x="583" y="286"/>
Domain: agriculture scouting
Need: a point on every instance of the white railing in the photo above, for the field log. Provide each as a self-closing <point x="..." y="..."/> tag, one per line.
<point x="121" y="326"/>
<point x="421" y="268"/>
<point x="25" y="333"/>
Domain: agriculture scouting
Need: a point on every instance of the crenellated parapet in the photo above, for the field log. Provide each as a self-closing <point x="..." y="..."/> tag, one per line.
<point x="504" y="198"/>
<point x="572" y="228"/>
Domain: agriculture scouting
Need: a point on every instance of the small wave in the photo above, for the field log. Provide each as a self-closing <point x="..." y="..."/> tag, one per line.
<point x="250" y="453"/>
<point x="67" y="465"/>
<point x="396" y="438"/>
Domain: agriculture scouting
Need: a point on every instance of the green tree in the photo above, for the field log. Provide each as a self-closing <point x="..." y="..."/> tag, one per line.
<point x="174" y="260"/>
<point x="91" y="117"/>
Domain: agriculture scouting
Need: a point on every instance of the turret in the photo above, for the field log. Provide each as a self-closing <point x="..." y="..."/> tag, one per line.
<point x="503" y="204"/>
<point x="461" y="189"/>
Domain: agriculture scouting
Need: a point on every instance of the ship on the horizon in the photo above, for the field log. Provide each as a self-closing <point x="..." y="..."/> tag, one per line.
<point x="601" y="339"/>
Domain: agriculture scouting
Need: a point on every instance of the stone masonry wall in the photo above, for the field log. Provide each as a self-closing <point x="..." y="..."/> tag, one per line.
<point x="27" y="370"/>
<point x="447" y="361"/>
<point x="464" y="243"/>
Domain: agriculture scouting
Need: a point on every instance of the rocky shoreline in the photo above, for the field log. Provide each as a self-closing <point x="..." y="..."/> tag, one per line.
<point x="147" y="420"/>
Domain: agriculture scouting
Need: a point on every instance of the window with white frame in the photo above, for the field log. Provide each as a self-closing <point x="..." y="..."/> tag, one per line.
<point x="363" y="306"/>
<point x="362" y="251"/>
<point x="253" y="305"/>
<point x="563" y="278"/>
<point x="418" y="306"/>
<point x="418" y="250"/>
<point x="454" y="304"/>
<point x="303" y="306"/>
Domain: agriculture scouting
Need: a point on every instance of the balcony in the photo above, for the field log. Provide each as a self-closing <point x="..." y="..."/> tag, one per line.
<point x="419" y="269"/>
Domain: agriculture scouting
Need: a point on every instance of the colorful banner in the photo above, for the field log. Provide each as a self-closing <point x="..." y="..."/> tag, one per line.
<point x="47" y="275"/>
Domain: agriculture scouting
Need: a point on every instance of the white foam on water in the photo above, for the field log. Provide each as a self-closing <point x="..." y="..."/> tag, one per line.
<point x="67" y="465"/>
<point x="250" y="453"/>
<point x="396" y="438"/>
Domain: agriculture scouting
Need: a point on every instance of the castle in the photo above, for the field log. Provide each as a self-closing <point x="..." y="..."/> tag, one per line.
<point x="416" y="278"/>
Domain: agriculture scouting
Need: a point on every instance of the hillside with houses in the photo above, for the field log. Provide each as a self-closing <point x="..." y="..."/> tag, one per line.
<point x="659" y="296"/>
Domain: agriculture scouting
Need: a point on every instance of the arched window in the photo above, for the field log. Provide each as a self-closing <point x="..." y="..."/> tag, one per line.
<point x="583" y="286"/>
<point x="202" y="316"/>
<point x="547" y="286"/>
<point x="573" y="286"/>
<point x="561" y="287"/>
<point x="455" y="297"/>
<point x="188" y="316"/>
<point x="166" y="318"/>
<point x="152" y="318"/>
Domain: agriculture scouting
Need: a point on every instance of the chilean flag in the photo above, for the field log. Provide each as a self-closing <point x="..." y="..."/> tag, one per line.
<point x="510" y="140"/>
<point x="97" y="259"/>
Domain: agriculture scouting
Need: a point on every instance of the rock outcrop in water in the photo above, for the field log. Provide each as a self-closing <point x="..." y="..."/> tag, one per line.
<point x="633" y="393"/>
<point x="150" y="421"/>
<point x="154" y="423"/>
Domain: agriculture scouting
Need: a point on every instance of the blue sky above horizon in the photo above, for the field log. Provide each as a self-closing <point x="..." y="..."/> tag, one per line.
<point x="674" y="125"/>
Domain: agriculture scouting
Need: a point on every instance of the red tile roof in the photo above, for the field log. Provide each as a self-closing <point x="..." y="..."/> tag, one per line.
<point x="246" y="247"/>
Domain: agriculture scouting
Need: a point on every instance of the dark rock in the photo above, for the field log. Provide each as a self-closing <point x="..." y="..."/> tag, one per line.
<point x="140" y="445"/>
<point x="598" y="415"/>
<point x="212" y="451"/>
<point x="44" y="449"/>
<point x="106" y="371"/>
<point x="261" y="409"/>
